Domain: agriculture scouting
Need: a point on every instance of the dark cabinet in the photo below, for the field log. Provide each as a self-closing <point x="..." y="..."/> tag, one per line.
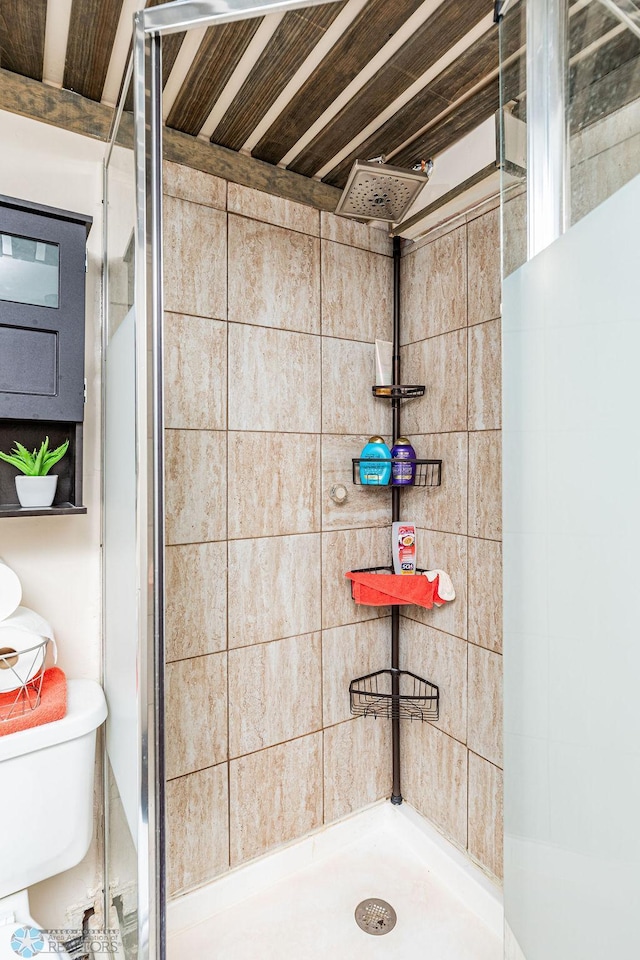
<point x="42" y="341"/>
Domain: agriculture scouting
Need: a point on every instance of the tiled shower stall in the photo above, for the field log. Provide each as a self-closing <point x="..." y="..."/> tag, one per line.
<point x="271" y="311"/>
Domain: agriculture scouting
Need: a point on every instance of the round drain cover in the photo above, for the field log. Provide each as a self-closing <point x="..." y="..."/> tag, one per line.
<point x="375" y="917"/>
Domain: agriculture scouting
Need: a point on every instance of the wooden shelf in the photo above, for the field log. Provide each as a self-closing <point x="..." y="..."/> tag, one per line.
<point x="57" y="510"/>
<point x="69" y="470"/>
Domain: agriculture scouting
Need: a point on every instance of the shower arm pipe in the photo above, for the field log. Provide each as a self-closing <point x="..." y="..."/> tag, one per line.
<point x="396" y="793"/>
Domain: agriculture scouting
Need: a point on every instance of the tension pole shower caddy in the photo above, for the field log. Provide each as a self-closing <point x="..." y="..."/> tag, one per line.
<point x="394" y="693"/>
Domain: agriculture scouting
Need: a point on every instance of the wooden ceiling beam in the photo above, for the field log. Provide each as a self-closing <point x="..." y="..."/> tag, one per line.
<point x="70" y="111"/>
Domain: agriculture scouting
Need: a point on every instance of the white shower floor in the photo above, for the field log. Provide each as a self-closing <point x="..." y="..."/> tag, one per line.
<point x="300" y="902"/>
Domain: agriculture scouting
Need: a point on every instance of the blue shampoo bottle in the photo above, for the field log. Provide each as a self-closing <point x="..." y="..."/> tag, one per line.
<point x="375" y="462"/>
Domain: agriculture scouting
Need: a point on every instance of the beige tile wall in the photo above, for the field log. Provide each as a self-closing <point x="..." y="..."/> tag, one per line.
<point x="272" y="310"/>
<point x="452" y="770"/>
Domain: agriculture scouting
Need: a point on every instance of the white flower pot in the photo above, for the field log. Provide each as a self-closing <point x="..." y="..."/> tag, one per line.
<point x="36" y="491"/>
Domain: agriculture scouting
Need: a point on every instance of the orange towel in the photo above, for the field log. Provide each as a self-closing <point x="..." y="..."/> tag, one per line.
<point x="53" y="704"/>
<point x="391" y="589"/>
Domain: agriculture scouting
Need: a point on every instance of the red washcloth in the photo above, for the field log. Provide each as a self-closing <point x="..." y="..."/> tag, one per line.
<point x="391" y="589"/>
<point x="53" y="704"/>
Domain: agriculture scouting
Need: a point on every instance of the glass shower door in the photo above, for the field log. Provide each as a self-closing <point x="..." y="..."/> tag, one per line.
<point x="134" y="825"/>
<point x="120" y="560"/>
<point x="571" y="475"/>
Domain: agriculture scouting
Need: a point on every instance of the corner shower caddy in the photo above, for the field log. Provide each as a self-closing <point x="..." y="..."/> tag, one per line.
<point x="428" y="472"/>
<point x="393" y="693"/>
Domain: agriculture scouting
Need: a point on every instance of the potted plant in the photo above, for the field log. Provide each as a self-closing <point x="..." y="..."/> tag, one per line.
<point x="35" y="488"/>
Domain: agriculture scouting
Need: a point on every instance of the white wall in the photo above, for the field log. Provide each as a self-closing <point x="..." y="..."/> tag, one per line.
<point x="58" y="558"/>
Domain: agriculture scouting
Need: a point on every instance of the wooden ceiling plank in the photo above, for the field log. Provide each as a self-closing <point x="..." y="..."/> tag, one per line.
<point x="170" y="48"/>
<point x="470" y="114"/>
<point x="454" y="126"/>
<point x="366" y="35"/>
<point x="216" y="60"/>
<point x="260" y="40"/>
<point x="92" y="32"/>
<point x="416" y="88"/>
<point x="289" y="47"/>
<point x="62" y="108"/>
<point x="615" y="72"/>
<point x="321" y="50"/>
<point x="189" y="48"/>
<point x="455" y="81"/>
<point x="22" y="32"/>
<point x="444" y="28"/>
<point x="459" y="80"/>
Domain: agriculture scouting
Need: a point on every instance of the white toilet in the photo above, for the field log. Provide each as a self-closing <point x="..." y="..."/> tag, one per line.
<point x="46" y="808"/>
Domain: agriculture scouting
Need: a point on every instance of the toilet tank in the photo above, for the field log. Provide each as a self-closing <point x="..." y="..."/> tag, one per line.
<point x="46" y="791"/>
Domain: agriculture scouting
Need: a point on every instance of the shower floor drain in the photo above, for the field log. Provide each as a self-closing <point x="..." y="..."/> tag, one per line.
<point x="376" y="917"/>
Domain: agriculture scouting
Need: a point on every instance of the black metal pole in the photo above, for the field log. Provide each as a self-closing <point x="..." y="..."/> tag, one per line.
<point x="396" y="795"/>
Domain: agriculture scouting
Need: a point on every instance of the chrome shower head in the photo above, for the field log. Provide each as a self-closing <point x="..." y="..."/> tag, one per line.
<point x="379" y="191"/>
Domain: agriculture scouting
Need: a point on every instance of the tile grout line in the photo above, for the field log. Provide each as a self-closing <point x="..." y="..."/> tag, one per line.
<point x="273" y="329"/>
<point x="315" y="433"/>
<point x="305" y="233"/>
<point x="283" y="743"/>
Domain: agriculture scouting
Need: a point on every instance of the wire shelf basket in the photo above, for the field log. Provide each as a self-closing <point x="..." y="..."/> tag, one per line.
<point x="398" y="391"/>
<point x="428" y="472"/>
<point x="373" y="696"/>
<point x="21" y="676"/>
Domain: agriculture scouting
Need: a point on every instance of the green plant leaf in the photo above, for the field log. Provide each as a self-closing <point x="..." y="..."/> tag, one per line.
<point x="26" y="456"/>
<point x="52" y="457"/>
<point x="38" y="463"/>
<point x="15" y="462"/>
<point x="37" y="466"/>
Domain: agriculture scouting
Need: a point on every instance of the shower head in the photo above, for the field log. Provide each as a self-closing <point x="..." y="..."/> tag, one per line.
<point x="378" y="191"/>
